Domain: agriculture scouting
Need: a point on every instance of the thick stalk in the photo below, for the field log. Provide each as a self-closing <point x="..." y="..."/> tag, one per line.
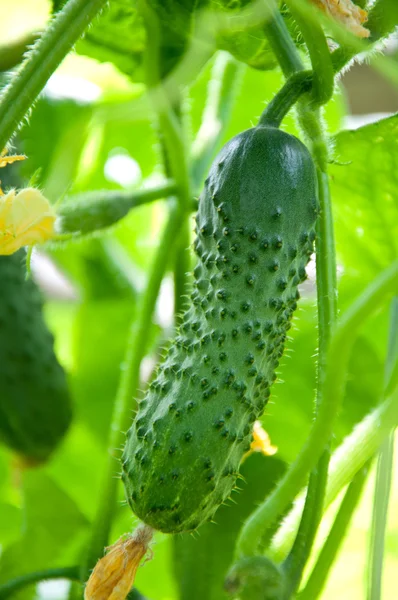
<point x="282" y="44"/>
<point x="127" y="392"/>
<point x="14" y="585"/>
<point x="259" y="522"/>
<point x="286" y="98"/>
<point x="46" y="55"/>
<point x="331" y="547"/>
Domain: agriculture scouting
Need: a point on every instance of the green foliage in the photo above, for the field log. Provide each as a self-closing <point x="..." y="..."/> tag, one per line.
<point x="364" y="186"/>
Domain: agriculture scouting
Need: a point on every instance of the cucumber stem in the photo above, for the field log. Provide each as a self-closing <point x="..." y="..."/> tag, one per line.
<point x="286" y="98"/>
<point x="46" y="55"/>
<point x="14" y="585"/>
<point x="258" y="523"/>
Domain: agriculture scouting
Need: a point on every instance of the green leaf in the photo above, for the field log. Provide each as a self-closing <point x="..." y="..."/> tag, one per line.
<point x="365" y="197"/>
<point x="201" y="561"/>
<point x="116" y="36"/>
<point x="101" y="330"/>
<point x="249" y="45"/>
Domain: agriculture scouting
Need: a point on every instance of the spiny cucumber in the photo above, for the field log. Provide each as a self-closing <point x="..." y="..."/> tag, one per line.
<point x="35" y="409"/>
<point x="255" y="234"/>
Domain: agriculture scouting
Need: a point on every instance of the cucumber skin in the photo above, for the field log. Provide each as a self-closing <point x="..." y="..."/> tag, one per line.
<point x="35" y="407"/>
<point x="255" y="233"/>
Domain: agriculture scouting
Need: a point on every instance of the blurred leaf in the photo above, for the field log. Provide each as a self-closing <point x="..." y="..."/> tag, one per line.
<point x="249" y="45"/>
<point x="117" y="36"/>
<point x="365" y="196"/>
<point x="101" y="330"/>
<point x="201" y="561"/>
<point x="51" y="524"/>
<point x="10" y="523"/>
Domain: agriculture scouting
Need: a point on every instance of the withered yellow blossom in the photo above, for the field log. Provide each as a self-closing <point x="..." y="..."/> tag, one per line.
<point x="26" y="218"/>
<point x="348" y="13"/>
<point x="261" y="441"/>
<point x="113" y="575"/>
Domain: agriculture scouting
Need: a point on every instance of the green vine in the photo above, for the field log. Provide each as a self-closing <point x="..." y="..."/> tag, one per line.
<point x="46" y="55"/>
<point x="295" y="86"/>
<point x="318" y="577"/>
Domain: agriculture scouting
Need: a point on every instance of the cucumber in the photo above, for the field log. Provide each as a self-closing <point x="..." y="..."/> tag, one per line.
<point x="255" y="234"/>
<point x="35" y="407"/>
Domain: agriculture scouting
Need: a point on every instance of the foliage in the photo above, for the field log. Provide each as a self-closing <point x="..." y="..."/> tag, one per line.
<point x="169" y="83"/>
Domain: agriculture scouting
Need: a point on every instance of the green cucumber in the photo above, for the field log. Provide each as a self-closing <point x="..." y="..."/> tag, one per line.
<point x="255" y="234"/>
<point x="35" y="408"/>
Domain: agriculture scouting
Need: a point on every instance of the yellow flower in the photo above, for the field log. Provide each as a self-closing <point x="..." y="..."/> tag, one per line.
<point x="26" y="218"/>
<point x="113" y="575"/>
<point x="261" y="442"/>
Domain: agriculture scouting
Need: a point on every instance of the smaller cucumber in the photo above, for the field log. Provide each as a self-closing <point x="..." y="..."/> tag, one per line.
<point x="35" y="407"/>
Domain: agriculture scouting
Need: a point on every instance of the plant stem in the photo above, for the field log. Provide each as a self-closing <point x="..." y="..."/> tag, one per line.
<point x="282" y="44"/>
<point x="92" y="211"/>
<point x="127" y="392"/>
<point x="296" y="85"/>
<point x="57" y="40"/>
<point x="12" y="586"/>
<point x="310" y="519"/>
<point x="221" y="94"/>
<point x="256" y="526"/>
<point x="320" y="572"/>
<point x="383" y="478"/>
